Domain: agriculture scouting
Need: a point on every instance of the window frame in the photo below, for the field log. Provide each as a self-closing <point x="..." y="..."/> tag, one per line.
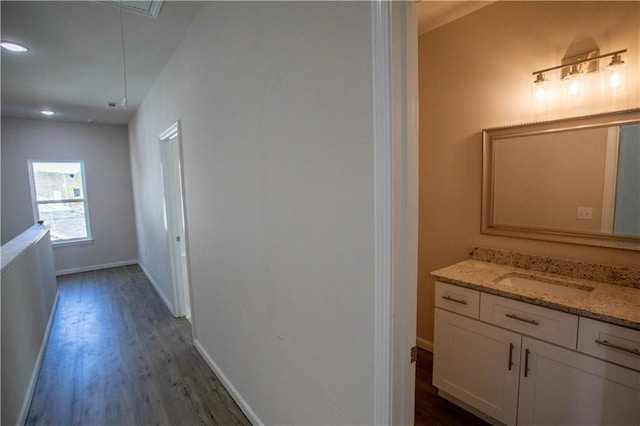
<point x="84" y="200"/>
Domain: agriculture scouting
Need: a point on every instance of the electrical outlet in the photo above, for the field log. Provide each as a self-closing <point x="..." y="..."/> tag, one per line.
<point x="585" y="213"/>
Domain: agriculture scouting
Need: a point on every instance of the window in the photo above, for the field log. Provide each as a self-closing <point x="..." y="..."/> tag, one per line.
<point x="60" y="200"/>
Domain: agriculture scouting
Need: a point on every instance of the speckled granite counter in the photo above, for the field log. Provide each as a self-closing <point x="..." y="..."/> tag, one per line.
<point x="617" y="304"/>
<point x="629" y="277"/>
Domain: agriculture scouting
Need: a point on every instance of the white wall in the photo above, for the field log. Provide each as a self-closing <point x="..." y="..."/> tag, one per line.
<point x="29" y="297"/>
<point x="275" y="101"/>
<point x="105" y="152"/>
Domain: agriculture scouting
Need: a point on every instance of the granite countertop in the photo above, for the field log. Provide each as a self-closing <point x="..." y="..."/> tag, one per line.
<point x="612" y="303"/>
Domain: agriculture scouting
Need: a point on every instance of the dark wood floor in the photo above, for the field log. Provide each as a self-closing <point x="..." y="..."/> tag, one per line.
<point x="432" y="409"/>
<point x="116" y="356"/>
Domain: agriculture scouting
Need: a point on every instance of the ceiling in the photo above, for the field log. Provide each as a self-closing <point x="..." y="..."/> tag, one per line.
<point x="75" y="67"/>
<point x="434" y="13"/>
<point x="74" y="64"/>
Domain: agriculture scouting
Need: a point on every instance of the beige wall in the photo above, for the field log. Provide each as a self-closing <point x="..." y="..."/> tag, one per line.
<point x="535" y="185"/>
<point x="475" y="73"/>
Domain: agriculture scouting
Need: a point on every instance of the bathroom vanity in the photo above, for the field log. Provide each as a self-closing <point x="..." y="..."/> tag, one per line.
<point x="523" y="346"/>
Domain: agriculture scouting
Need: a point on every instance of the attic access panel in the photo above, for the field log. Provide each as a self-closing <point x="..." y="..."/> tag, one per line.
<point x="148" y="8"/>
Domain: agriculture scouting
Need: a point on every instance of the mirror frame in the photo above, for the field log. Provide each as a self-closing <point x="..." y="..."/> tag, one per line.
<point x="489" y="136"/>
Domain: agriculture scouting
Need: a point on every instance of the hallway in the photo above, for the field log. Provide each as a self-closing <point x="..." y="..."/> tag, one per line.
<point x="116" y="356"/>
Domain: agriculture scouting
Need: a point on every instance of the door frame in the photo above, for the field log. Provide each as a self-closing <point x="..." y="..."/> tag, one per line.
<point x="610" y="179"/>
<point x="173" y="183"/>
<point x="395" y="134"/>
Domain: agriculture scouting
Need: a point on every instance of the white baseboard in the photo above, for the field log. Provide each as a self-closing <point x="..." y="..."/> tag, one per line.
<point x="96" y="267"/>
<point x="157" y="289"/>
<point x="244" y="406"/>
<point x="424" y="344"/>
<point x="26" y="403"/>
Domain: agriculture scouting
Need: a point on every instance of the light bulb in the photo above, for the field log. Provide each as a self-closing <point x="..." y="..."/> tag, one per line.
<point x="13" y="47"/>
<point x="540" y="91"/>
<point x="615" y="74"/>
<point x="540" y="95"/>
<point x="615" y="80"/>
<point x="574" y="87"/>
<point x="574" y="84"/>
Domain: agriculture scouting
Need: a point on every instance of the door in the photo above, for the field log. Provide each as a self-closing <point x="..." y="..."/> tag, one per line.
<point x="563" y="387"/>
<point x="170" y="150"/>
<point x="478" y="364"/>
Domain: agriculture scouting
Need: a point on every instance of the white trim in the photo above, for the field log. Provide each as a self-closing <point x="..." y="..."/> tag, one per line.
<point x="404" y="144"/>
<point x="157" y="289"/>
<point x="71" y="242"/>
<point x="383" y="309"/>
<point x="610" y="179"/>
<point x="171" y="167"/>
<point x="26" y="403"/>
<point x="96" y="267"/>
<point x="154" y="7"/>
<point x="424" y="344"/>
<point x="84" y="200"/>
<point x="395" y="145"/>
<point x="242" y="403"/>
<point x="171" y="132"/>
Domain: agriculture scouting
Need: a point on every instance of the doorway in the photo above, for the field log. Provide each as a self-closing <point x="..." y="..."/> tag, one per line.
<point x="171" y="161"/>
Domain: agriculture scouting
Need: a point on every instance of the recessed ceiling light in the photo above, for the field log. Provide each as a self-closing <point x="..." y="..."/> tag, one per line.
<point x="46" y="112"/>
<point x="13" y="47"/>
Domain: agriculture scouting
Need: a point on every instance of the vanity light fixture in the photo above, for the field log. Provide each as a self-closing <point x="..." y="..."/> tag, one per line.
<point x="13" y="47"/>
<point x="573" y="77"/>
<point x="46" y="112"/>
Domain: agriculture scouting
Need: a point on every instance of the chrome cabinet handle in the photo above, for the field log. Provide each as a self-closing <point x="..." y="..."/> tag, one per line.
<point x="526" y="362"/>
<point x="515" y="317"/>
<point x="621" y="348"/>
<point x="451" y="299"/>
<point x="511" y="346"/>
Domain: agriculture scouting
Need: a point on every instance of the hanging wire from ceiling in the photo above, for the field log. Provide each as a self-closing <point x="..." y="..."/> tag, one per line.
<point x="124" y="60"/>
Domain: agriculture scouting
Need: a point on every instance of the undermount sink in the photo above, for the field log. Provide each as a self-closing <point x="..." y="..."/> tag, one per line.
<point x="548" y="286"/>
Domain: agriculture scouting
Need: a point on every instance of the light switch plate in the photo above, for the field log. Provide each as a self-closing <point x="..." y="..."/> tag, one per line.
<point x="585" y="213"/>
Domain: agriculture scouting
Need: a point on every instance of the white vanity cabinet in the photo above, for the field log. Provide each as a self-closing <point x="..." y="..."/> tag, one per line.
<point x="496" y="358"/>
<point x="478" y="364"/>
<point x="564" y="387"/>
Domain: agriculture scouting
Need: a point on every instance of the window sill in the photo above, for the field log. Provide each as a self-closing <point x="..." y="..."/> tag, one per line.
<point x="71" y="242"/>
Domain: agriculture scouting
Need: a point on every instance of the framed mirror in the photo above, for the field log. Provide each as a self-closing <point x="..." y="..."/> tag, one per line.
<point x="574" y="180"/>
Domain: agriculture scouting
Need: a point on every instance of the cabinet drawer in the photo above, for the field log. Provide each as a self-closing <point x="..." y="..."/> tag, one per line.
<point x="458" y="299"/>
<point x="535" y="321"/>
<point x="610" y="342"/>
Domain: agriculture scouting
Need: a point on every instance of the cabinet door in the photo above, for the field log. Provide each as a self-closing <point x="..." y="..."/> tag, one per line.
<point x="559" y="386"/>
<point x="478" y="364"/>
